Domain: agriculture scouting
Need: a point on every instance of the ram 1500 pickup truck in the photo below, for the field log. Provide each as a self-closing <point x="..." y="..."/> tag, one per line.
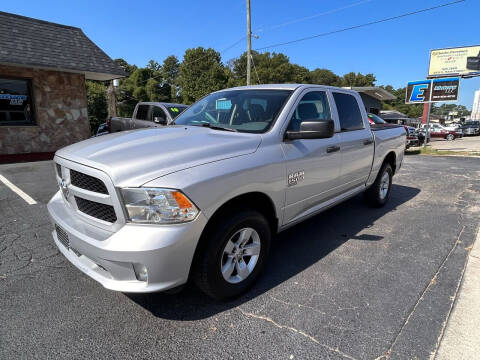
<point x="145" y="210"/>
<point x="147" y="114"/>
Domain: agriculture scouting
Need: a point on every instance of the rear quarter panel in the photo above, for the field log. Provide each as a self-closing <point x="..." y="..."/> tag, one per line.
<point x="387" y="140"/>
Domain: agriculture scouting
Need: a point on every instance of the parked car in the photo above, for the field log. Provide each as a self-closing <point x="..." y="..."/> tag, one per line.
<point x="438" y="131"/>
<point x="471" y="128"/>
<point x="204" y="199"/>
<point x="147" y="114"/>
<point x="377" y="122"/>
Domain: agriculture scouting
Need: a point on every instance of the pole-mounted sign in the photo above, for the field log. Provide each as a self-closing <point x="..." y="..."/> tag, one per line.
<point x="437" y="90"/>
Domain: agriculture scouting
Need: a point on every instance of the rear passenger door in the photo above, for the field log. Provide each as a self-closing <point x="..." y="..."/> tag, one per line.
<point x="356" y="140"/>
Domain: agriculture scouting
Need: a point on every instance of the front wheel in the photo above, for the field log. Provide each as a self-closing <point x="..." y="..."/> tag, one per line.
<point x="377" y="195"/>
<point x="233" y="255"/>
<point x="450" y="137"/>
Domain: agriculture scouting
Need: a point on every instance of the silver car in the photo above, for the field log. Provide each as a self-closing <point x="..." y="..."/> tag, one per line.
<point x="144" y="210"/>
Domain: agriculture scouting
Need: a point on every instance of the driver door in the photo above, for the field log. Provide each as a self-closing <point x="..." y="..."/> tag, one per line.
<point x="312" y="165"/>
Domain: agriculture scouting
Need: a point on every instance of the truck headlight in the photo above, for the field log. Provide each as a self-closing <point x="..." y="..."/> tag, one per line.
<point x="157" y="206"/>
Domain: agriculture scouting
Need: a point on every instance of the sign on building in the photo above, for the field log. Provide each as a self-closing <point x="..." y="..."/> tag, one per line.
<point x="462" y="61"/>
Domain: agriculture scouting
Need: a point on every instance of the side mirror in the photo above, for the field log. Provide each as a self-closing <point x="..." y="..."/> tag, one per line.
<point x="313" y="129"/>
<point x="159" y="120"/>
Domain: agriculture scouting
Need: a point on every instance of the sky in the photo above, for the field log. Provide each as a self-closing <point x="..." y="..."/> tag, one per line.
<point x="395" y="52"/>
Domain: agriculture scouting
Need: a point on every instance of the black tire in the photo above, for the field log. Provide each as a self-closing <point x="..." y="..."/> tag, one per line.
<point x="206" y="271"/>
<point x="372" y="194"/>
<point x="450" y="137"/>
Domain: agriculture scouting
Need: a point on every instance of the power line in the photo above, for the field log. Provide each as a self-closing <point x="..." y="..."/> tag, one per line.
<point x="328" y="12"/>
<point x="361" y="25"/>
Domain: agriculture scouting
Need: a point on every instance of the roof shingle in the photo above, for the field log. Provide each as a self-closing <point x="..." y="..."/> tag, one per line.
<point x="38" y="43"/>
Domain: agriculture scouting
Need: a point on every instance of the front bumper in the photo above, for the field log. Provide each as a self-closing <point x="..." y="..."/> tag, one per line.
<point x="109" y="257"/>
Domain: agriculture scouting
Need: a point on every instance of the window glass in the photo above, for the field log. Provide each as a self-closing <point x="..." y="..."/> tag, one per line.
<point x="158" y="112"/>
<point x="175" y="110"/>
<point x="252" y="111"/>
<point x="348" y="112"/>
<point x="15" y="102"/>
<point x="142" y="112"/>
<point x="313" y="106"/>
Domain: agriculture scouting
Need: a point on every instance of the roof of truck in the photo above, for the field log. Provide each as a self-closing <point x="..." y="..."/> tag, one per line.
<point x="283" y="87"/>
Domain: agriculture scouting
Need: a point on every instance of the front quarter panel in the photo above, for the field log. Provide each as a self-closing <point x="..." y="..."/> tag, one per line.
<point x="211" y="185"/>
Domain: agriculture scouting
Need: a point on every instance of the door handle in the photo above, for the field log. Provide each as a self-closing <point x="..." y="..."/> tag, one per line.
<point x="334" y="148"/>
<point x="368" y="142"/>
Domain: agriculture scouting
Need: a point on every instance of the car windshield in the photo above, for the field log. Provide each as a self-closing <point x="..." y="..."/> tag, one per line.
<point x="175" y="110"/>
<point x="376" y="119"/>
<point x="252" y="111"/>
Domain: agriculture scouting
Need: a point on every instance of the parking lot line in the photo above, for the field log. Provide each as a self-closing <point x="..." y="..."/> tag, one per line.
<point x="17" y="190"/>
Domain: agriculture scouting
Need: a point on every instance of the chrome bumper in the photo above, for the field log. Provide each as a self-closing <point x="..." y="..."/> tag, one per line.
<point x="109" y="257"/>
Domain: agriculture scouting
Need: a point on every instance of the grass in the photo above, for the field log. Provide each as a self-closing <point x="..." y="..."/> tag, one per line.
<point x="429" y="151"/>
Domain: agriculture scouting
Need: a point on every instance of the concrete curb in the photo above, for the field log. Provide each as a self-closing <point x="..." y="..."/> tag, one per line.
<point x="461" y="339"/>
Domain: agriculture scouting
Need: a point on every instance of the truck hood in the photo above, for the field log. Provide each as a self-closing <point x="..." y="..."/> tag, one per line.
<point x="132" y="158"/>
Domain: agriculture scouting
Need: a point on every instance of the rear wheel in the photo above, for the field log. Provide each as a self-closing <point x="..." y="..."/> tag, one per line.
<point x="450" y="137"/>
<point x="234" y="254"/>
<point x="377" y="195"/>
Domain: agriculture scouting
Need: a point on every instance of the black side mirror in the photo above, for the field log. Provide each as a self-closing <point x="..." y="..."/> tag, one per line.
<point x="313" y="129"/>
<point x="160" y="120"/>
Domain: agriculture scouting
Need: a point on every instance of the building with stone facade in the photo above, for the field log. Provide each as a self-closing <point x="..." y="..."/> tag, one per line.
<point x="43" y="103"/>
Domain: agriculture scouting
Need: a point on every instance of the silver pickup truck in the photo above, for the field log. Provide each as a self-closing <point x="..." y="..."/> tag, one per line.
<point x="147" y="114"/>
<point x="145" y="210"/>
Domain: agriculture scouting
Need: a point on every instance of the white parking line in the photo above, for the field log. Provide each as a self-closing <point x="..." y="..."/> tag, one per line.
<point x="18" y="191"/>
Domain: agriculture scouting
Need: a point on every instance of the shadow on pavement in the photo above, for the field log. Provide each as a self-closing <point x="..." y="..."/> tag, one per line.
<point x="313" y="239"/>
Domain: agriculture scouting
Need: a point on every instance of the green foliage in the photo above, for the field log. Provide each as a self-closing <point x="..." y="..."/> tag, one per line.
<point x="445" y="109"/>
<point x="201" y="72"/>
<point x="351" y="79"/>
<point x="96" y="103"/>
<point x="325" y="77"/>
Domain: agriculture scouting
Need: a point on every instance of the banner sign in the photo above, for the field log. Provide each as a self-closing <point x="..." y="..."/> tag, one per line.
<point x="462" y="61"/>
<point x="437" y="90"/>
<point x="418" y="92"/>
<point x="445" y="89"/>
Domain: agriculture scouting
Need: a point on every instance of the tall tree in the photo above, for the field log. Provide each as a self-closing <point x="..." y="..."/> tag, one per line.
<point x="170" y="72"/>
<point x="201" y="72"/>
<point x="96" y="103"/>
<point x="325" y="77"/>
<point x="352" y="79"/>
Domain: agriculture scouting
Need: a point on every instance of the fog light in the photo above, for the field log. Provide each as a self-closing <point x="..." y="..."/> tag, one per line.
<point x="140" y="272"/>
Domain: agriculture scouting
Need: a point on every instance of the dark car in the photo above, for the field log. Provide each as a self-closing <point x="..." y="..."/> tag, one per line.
<point x="471" y="128"/>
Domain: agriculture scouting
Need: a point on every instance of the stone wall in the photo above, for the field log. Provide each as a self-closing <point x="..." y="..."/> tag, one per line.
<point x="60" y="110"/>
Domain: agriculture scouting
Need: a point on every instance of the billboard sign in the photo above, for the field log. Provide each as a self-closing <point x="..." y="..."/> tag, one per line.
<point x="418" y="92"/>
<point x="445" y="89"/>
<point x="462" y="61"/>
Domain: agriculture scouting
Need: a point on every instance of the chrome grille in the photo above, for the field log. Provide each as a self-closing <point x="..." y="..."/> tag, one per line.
<point x="62" y="236"/>
<point x="87" y="182"/>
<point x="97" y="210"/>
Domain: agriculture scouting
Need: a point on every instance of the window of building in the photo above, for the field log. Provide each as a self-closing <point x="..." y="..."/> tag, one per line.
<point x="16" y="102"/>
<point x="348" y="112"/>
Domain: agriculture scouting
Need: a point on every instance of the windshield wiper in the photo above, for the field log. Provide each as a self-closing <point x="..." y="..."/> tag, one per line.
<point x="218" y="127"/>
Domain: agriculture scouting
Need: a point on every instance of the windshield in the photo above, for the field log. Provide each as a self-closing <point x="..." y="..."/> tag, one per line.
<point x="252" y="111"/>
<point x="175" y="110"/>
<point x="376" y="119"/>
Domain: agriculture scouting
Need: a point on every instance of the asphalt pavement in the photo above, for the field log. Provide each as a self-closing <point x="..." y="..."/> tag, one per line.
<point x="350" y="283"/>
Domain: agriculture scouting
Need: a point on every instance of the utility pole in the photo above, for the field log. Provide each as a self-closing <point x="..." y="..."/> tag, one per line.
<point x="249" y="43"/>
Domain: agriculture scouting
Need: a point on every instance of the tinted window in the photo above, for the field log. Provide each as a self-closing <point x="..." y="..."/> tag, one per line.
<point x="142" y="112"/>
<point x="313" y="106"/>
<point x="252" y="111"/>
<point x="175" y="110"/>
<point x="348" y="112"/>
<point x="15" y="102"/>
<point x="158" y="112"/>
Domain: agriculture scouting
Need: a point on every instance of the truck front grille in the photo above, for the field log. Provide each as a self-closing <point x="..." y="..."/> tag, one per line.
<point x="87" y="182"/>
<point x="62" y="236"/>
<point x="97" y="210"/>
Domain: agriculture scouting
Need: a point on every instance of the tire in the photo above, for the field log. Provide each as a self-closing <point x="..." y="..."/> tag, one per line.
<point x="450" y="137"/>
<point x="375" y="195"/>
<point x="217" y="253"/>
